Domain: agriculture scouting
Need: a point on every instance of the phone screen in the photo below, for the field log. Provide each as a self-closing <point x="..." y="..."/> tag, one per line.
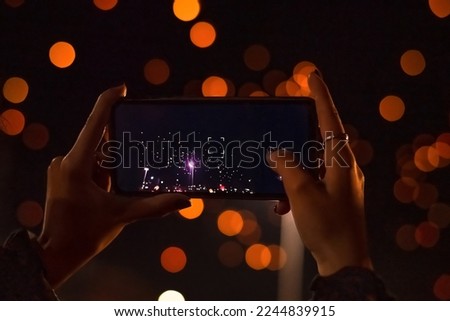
<point x="205" y="147"/>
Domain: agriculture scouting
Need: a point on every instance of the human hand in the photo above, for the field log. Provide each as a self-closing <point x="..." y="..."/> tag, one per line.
<point x="82" y="216"/>
<point x="328" y="212"/>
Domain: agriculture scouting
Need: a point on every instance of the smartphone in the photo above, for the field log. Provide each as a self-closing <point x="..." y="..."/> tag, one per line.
<point x="210" y="147"/>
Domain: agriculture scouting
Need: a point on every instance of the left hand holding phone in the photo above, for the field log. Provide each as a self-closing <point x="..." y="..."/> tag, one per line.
<point x="82" y="216"/>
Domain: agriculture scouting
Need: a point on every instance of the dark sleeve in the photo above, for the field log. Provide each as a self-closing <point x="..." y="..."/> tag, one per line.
<point x="21" y="272"/>
<point x="350" y="283"/>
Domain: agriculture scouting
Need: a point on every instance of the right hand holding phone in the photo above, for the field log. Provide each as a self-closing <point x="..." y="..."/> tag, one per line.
<point x="328" y="212"/>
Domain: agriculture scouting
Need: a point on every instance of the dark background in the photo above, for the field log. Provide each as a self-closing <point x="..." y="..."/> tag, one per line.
<point x="357" y="46"/>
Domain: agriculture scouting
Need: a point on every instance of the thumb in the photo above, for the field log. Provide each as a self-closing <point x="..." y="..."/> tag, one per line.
<point x="298" y="184"/>
<point x="154" y="206"/>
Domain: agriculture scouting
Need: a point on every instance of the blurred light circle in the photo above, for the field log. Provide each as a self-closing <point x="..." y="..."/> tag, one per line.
<point x="259" y="93"/>
<point x="105" y="5"/>
<point x="203" y="34"/>
<point x="62" y="54"/>
<point x="443" y="145"/>
<point x="30" y="214"/>
<point x="405" y="237"/>
<point x="173" y="259"/>
<point x="439" y="214"/>
<point x="441" y="288"/>
<point x="195" y="210"/>
<point x="278" y="257"/>
<point x="171" y="295"/>
<point x="426" y="159"/>
<point x="392" y="108"/>
<point x="230" y="222"/>
<point x="214" y="86"/>
<point x="406" y="189"/>
<point x="412" y="62"/>
<point x="247" y="89"/>
<point x="15" y="90"/>
<point x="231" y="254"/>
<point x="422" y="140"/>
<point x="258" y="256"/>
<point x="441" y="8"/>
<point x="427" y="234"/>
<point x="256" y="57"/>
<point x="14" y="3"/>
<point x="156" y="71"/>
<point x="35" y="136"/>
<point x="12" y="122"/>
<point x="427" y="195"/>
<point x="186" y="10"/>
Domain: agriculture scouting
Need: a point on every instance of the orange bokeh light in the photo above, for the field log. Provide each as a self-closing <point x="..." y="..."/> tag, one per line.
<point x="30" y="214"/>
<point x="203" y="34"/>
<point x="14" y="3"/>
<point x="406" y="189"/>
<point x="427" y="234"/>
<point x="426" y="159"/>
<point x="392" y="108"/>
<point x="156" y="71"/>
<point x="412" y="62"/>
<point x="12" y="122"/>
<point x="427" y="195"/>
<point x="186" y="10"/>
<point x="173" y="259"/>
<point x="441" y="8"/>
<point x="35" y="136"/>
<point x="248" y="88"/>
<point x="278" y="258"/>
<point x="105" y="4"/>
<point x="62" y="54"/>
<point x="193" y="211"/>
<point x="441" y="288"/>
<point x="256" y="57"/>
<point x="214" y="86"/>
<point x="231" y="254"/>
<point x="405" y="237"/>
<point x="258" y="256"/>
<point x="15" y="90"/>
<point x="439" y="214"/>
<point x="443" y="145"/>
<point x="230" y="222"/>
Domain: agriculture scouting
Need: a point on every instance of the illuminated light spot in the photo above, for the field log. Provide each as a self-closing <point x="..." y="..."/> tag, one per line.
<point x="214" y="86"/>
<point x="272" y="79"/>
<point x="293" y="89"/>
<point x="443" y="145"/>
<point x="433" y="156"/>
<point x="186" y="10"/>
<point x="231" y="254"/>
<point x="425" y="160"/>
<point x="278" y="258"/>
<point x="441" y="288"/>
<point x="281" y="90"/>
<point x="258" y="256"/>
<point x="203" y="34"/>
<point x="412" y="62"/>
<point x="193" y="88"/>
<point x="15" y="90"/>
<point x="439" y="214"/>
<point x="35" y="136"/>
<point x="30" y="214"/>
<point x="352" y="132"/>
<point x="248" y="88"/>
<point x="427" y="195"/>
<point x="156" y="71"/>
<point x="14" y="3"/>
<point x="256" y="57"/>
<point x="392" y="108"/>
<point x="62" y="54"/>
<point x="12" y="122"/>
<point x="259" y="93"/>
<point x="363" y="151"/>
<point x="105" y="4"/>
<point x="171" y="295"/>
<point x="427" y="234"/>
<point x="230" y="222"/>
<point x="441" y="8"/>
<point x="173" y="259"/>
<point x="405" y="237"/>
<point x="422" y="140"/>
<point x="193" y="211"/>
<point x="252" y="233"/>
<point x="409" y="169"/>
<point x="406" y="189"/>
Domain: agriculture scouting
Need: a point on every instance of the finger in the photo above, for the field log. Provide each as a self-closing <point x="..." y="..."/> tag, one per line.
<point x="282" y="207"/>
<point x="92" y="132"/>
<point x="155" y="206"/>
<point x="298" y="184"/>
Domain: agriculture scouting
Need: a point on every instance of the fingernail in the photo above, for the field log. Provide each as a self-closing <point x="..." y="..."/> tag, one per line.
<point x="182" y="203"/>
